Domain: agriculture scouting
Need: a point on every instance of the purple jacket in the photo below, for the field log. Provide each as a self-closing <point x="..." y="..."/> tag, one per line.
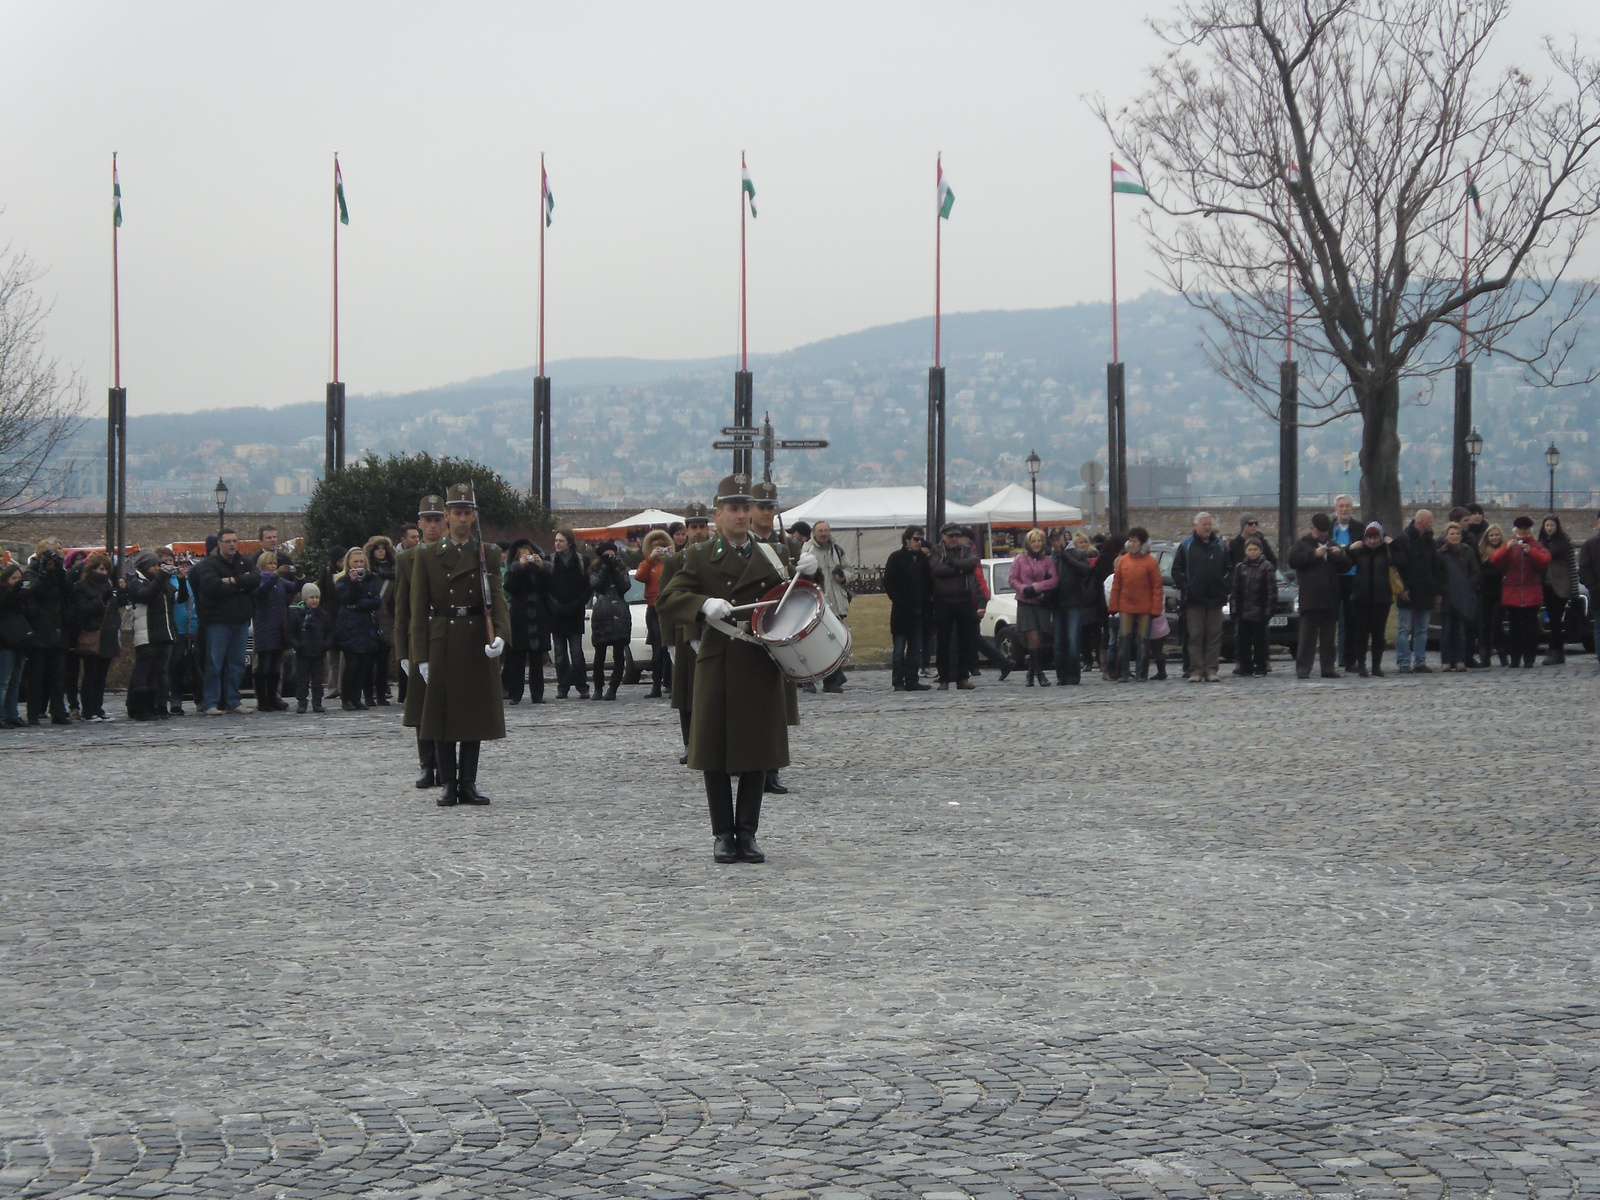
<point x="272" y="613"/>
<point x="1036" y="572"/>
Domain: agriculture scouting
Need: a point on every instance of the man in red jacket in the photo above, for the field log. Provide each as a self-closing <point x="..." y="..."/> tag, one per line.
<point x="1522" y="561"/>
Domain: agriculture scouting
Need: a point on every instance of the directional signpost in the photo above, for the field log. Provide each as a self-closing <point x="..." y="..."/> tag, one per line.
<point x="745" y="439"/>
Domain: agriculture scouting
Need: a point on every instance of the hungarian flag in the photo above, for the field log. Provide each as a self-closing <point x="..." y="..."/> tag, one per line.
<point x="1294" y="174"/>
<point x="338" y="192"/>
<point x="1124" y="180"/>
<point x="1472" y="194"/>
<point x="946" y="197"/>
<point x="549" y="197"/>
<point x="746" y="185"/>
<point x="116" y="195"/>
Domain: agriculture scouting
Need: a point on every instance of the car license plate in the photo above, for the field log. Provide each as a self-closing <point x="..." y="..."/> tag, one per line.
<point x="1280" y="620"/>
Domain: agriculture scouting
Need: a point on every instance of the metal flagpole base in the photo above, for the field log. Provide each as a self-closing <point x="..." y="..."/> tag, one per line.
<point x="1288" y="457"/>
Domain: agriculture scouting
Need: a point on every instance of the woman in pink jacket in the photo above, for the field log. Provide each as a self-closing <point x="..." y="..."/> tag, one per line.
<point x="1034" y="580"/>
<point x="1522" y="561"/>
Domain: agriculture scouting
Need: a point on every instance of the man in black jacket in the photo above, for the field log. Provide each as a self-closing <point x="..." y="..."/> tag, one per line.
<point x="1202" y="571"/>
<point x="1249" y="528"/>
<point x="1074" y="594"/>
<point x="228" y="582"/>
<point x="46" y="598"/>
<point x="1416" y="558"/>
<point x="951" y="565"/>
<point x="908" y="582"/>
<point x="1318" y="565"/>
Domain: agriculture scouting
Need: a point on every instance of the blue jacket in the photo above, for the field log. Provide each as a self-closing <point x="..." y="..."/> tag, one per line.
<point x="272" y="612"/>
<point x="183" y="611"/>
<point x="356" y="628"/>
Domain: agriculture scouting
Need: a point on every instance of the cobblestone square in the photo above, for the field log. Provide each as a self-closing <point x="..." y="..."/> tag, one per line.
<point x="1259" y="939"/>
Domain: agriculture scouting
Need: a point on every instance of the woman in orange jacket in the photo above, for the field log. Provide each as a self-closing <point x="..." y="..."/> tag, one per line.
<point x="1137" y="597"/>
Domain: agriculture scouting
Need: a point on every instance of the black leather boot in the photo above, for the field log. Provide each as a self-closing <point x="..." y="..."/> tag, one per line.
<point x="719" y="799"/>
<point x="774" y="785"/>
<point x="748" y="816"/>
<point x="428" y="757"/>
<point x="445" y="753"/>
<point x="467" y="776"/>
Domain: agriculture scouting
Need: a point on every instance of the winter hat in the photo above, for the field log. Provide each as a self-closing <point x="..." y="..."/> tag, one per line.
<point x="1523" y="523"/>
<point x="1321" y="522"/>
<point x="310" y="590"/>
<point x="146" y="560"/>
<point x="1374" y="527"/>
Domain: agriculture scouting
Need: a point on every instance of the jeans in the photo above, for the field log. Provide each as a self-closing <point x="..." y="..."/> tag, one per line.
<point x="1453" y="639"/>
<point x="10" y="683"/>
<point x="571" y="669"/>
<point x="908" y="655"/>
<point x="225" y="646"/>
<point x="1134" y="631"/>
<point x="1411" y="637"/>
<point x="1068" y="634"/>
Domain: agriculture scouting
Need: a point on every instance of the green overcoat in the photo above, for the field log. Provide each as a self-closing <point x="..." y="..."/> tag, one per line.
<point x="678" y="635"/>
<point x="738" y="722"/>
<point x="463" y="701"/>
<point x="416" y="690"/>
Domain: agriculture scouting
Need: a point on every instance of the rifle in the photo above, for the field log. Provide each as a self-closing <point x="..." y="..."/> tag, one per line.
<point x="483" y="579"/>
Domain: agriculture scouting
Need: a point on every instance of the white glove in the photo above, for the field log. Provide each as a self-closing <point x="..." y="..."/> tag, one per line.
<point x="807" y="564"/>
<point x="423" y="667"/>
<point x="495" y="648"/>
<point x="405" y="666"/>
<point x="716" y="610"/>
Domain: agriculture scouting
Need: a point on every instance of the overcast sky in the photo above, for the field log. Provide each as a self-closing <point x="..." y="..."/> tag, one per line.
<point x="226" y="117"/>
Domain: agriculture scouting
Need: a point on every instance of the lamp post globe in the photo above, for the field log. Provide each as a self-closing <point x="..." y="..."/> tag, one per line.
<point x="1033" y="463"/>
<point x="221" y="493"/>
<point x="1474" y="452"/>
<point x="1553" y="457"/>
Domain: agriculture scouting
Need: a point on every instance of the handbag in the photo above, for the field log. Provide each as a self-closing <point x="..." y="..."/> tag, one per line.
<point x="1396" y="584"/>
<point x="89" y="643"/>
<point x="1160" y="627"/>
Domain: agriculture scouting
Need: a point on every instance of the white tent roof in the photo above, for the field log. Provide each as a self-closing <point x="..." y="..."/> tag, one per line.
<point x="877" y="508"/>
<point x="1014" y="503"/>
<point x="650" y="516"/>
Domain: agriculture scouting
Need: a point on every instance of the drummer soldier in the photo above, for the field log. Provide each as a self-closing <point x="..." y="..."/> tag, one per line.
<point x="430" y="523"/>
<point x="696" y="523"/>
<point x="763" y="517"/>
<point x="738" y="728"/>
<point x="456" y="643"/>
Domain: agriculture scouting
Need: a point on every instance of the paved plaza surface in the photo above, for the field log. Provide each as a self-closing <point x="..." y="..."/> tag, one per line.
<point x="1246" y="940"/>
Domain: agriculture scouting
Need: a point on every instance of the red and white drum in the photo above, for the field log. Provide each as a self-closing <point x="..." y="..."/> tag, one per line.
<point x="804" y="637"/>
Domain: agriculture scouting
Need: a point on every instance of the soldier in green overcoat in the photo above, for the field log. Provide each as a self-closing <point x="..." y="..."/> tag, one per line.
<point x="430" y="523"/>
<point x="739" y="725"/>
<point x="696" y="520"/>
<point x="464" y="703"/>
<point x="763" y="517"/>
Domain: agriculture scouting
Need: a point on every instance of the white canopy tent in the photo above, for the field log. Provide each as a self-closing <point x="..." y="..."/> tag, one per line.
<point x="650" y="516"/>
<point x="1013" y="505"/>
<point x="867" y="521"/>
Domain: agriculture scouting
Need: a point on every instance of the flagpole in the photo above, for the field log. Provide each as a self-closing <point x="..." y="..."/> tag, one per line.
<point x="542" y="210"/>
<point x="744" y="312"/>
<point x="1466" y="245"/>
<point x="938" y="258"/>
<point x="116" y="295"/>
<point x="336" y="266"/>
<point x="1114" y="357"/>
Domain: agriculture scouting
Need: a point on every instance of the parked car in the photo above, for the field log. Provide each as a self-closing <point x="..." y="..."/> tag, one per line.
<point x="1000" y="615"/>
<point x="1283" y="628"/>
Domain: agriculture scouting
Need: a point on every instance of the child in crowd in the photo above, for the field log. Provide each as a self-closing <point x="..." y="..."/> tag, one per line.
<point x="271" y="616"/>
<point x="310" y="632"/>
<point x="1255" y="599"/>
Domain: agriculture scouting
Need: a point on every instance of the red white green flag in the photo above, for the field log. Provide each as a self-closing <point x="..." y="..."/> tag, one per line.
<point x="1124" y="180"/>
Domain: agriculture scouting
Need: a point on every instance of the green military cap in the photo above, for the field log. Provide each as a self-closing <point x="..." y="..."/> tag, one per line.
<point x="431" y="506"/>
<point x="461" y="493"/>
<point x="734" y="487"/>
<point x="765" y="493"/>
<point x="695" y="513"/>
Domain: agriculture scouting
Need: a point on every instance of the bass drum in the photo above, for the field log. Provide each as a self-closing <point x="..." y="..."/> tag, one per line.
<point x="805" y="639"/>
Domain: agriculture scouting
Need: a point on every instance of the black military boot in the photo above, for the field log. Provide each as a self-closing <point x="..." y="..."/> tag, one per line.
<point x="774" y="785"/>
<point x="748" y="817"/>
<point x="467" y="785"/>
<point x="446" y="758"/>
<point x="428" y="757"/>
<point x="719" y="799"/>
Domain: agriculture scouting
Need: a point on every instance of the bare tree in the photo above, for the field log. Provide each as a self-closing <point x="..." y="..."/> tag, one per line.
<point x="1333" y="141"/>
<point x="40" y="410"/>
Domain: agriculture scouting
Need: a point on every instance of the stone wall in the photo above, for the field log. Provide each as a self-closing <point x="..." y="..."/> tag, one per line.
<point x="147" y="529"/>
<point x="1170" y="524"/>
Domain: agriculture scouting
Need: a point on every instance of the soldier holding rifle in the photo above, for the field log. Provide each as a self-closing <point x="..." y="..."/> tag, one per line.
<point x="696" y="520"/>
<point x="739" y="727"/>
<point x="459" y="626"/>
<point x="430" y="525"/>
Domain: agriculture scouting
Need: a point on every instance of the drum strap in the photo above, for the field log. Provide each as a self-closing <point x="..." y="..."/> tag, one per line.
<point x="734" y="631"/>
<point x="772" y="557"/>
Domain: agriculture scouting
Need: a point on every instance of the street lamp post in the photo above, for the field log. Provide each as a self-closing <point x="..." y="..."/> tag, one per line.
<point x="1474" y="452"/>
<point x="1553" y="457"/>
<point x="221" y="494"/>
<point x="1033" y="464"/>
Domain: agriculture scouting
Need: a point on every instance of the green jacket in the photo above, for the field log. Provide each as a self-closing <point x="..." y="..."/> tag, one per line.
<point x="463" y="701"/>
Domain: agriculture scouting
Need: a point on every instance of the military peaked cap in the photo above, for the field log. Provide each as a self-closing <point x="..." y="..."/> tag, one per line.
<point x="431" y="506"/>
<point x="765" y="492"/>
<point x="734" y="487"/>
<point x="461" y="493"/>
<point x="696" y="513"/>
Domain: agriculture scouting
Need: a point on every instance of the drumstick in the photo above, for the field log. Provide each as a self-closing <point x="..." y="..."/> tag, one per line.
<point x="785" y="596"/>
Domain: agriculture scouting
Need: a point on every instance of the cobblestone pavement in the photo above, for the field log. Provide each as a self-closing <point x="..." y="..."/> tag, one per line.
<point x="1172" y="941"/>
